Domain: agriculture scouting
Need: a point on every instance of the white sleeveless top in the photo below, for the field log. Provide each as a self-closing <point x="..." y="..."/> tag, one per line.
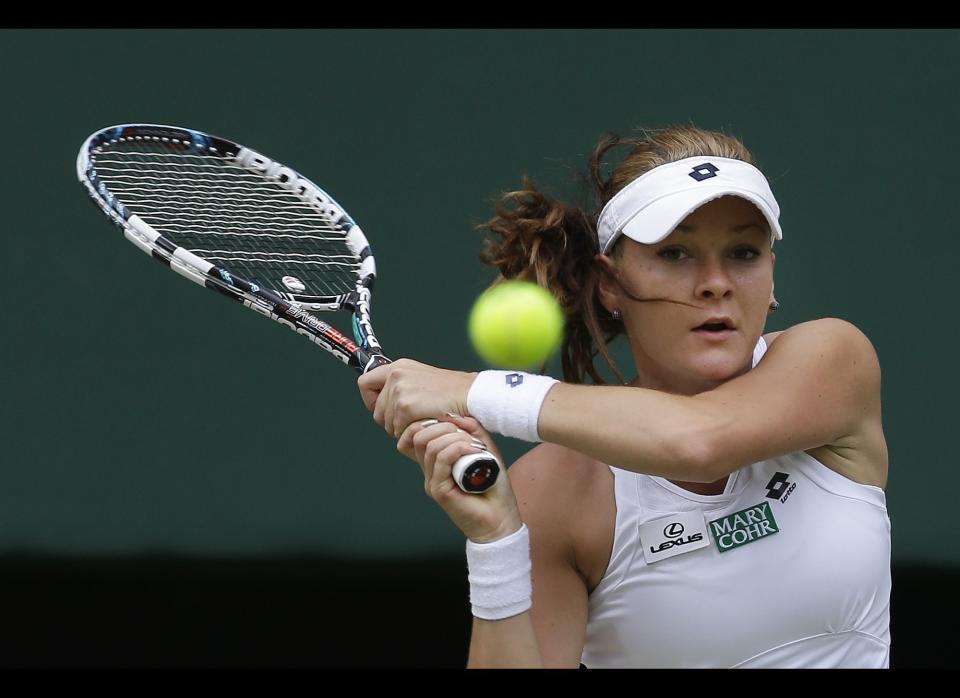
<point x="795" y="572"/>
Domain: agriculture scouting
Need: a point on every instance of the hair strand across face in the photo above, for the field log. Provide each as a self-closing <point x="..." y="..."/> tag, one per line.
<point x="544" y="240"/>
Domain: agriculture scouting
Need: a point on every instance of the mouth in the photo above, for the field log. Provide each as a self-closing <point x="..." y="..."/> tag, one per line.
<point x="716" y="325"/>
<point x="715" y="329"/>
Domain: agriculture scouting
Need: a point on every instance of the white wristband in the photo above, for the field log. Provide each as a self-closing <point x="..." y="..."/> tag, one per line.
<point x="509" y="402"/>
<point x="499" y="574"/>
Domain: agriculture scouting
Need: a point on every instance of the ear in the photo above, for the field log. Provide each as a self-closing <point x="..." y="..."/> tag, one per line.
<point x="608" y="289"/>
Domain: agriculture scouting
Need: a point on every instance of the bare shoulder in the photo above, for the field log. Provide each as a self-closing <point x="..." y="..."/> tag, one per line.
<point x="834" y="342"/>
<point x="836" y="331"/>
<point x="567" y="500"/>
<point x="550" y="471"/>
<point x="850" y="360"/>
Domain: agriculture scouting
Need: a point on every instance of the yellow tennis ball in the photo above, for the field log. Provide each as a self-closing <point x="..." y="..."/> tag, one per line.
<point x="516" y="324"/>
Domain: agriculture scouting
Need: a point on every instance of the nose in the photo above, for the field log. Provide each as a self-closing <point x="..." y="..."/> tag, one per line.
<point x="713" y="280"/>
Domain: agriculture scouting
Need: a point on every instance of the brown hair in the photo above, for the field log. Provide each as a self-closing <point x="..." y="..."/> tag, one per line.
<point x="544" y="240"/>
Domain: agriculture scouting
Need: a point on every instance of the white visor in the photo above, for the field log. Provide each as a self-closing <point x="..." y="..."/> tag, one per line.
<point x="651" y="206"/>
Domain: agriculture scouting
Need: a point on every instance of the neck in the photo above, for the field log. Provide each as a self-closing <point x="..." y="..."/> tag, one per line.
<point x="674" y="386"/>
<point x="708" y="488"/>
<point x="655" y="377"/>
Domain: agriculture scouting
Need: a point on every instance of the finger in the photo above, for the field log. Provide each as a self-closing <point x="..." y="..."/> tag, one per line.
<point x="380" y="405"/>
<point x="375" y="378"/>
<point x="406" y="439"/>
<point x="440" y="482"/>
<point x="438" y="445"/>
<point x="396" y="415"/>
<point x="405" y="446"/>
<point x="466" y="423"/>
<point x="402" y="415"/>
<point x="371" y="383"/>
<point x="425" y="435"/>
<point x="405" y="443"/>
<point x="368" y="396"/>
<point x="473" y="439"/>
<point x="472" y="427"/>
<point x="387" y="397"/>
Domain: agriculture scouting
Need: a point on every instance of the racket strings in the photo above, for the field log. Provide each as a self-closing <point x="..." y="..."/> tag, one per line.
<point x="232" y="217"/>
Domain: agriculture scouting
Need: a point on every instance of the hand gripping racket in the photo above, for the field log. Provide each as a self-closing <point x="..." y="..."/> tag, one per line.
<point x="237" y="222"/>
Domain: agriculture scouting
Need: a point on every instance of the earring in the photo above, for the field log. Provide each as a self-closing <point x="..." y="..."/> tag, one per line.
<point x="617" y="315"/>
<point x="774" y="306"/>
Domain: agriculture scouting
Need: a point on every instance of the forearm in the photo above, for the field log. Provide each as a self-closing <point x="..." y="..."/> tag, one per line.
<point x="509" y="643"/>
<point x="637" y="429"/>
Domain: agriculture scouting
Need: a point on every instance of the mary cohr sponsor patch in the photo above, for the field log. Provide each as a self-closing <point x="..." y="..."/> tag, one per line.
<point x="743" y="527"/>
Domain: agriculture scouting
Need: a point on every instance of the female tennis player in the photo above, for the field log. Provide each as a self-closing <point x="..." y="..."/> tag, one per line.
<point x="725" y="507"/>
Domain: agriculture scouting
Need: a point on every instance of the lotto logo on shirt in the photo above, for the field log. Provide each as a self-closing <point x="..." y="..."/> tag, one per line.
<point x="743" y="527"/>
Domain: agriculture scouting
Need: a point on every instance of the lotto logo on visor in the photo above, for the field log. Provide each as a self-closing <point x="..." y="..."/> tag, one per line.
<point x="705" y="171"/>
<point x="743" y="527"/>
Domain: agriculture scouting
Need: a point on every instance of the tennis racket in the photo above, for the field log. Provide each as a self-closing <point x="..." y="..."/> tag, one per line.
<point x="256" y="231"/>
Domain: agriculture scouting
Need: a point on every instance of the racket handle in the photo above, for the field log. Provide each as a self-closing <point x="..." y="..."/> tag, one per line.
<point x="473" y="473"/>
<point x="368" y="362"/>
<point x="476" y="472"/>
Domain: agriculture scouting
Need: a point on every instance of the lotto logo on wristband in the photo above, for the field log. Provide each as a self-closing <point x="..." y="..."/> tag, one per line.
<point x="514" y="379"/>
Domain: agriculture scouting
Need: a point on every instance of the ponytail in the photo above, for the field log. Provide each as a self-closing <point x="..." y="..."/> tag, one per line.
<point x="540" y="239"/>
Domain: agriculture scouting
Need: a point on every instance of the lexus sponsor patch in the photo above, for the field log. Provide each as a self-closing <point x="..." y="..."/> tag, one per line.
<point x="673" y="535"/>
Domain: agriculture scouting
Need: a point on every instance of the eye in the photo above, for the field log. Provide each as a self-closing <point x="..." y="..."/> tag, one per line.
<point x="673" y="254"/>
<point x="746" y="253"/>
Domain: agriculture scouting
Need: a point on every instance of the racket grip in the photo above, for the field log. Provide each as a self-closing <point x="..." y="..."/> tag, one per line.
<point x="473" y="473"/>
<point x="476" y="472"/>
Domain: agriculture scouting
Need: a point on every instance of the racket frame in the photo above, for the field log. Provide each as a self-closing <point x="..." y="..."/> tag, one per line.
<point x="289" y="309"/>
<point x="474" y="473"/>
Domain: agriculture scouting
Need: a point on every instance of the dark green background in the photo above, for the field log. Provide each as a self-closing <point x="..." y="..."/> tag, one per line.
<point x="142" y="415"/>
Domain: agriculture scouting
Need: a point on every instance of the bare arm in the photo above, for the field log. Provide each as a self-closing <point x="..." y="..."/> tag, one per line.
<point x="552" y="633"/>
<point x="819" y="384"/>
<point x="544" y="489"/>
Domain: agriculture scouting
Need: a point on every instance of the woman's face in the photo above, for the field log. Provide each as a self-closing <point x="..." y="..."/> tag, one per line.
<point x="716" y="266"/>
